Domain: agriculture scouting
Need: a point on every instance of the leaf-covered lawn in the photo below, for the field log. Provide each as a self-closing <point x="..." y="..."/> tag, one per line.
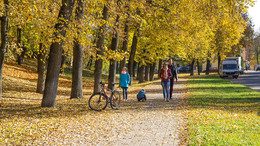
<point x="23" y="121"/>
<point x="222" y="113"/>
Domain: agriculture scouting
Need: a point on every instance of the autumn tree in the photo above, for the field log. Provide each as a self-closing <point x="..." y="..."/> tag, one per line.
<point x="4" y="39"/>
<point x="114" y="47"/>
<point x="41" y="66"/>
<point x="100" y="50"/>
<point x="257" y="47"/>
<point x="125" y="34"/>
<point x="76" y="88"/>
<point x="55" y="55"/>
<point x="43" y="28"/>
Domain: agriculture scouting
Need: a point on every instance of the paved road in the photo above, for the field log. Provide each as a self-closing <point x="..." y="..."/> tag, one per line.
<point x="250" y="78"/>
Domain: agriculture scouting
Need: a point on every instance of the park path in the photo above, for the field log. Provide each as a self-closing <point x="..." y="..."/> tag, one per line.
<point x="156" y="122"/>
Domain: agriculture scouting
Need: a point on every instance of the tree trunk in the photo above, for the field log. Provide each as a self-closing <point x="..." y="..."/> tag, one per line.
<point x="192" y="67"/>
<point x="4" y="40"/>
<point x="41" y="68"/>
<point x="21" y="55"/>
<point x="152" y="69"/>
<point x="132" y="55"/>
<point x="90" y="62"/>
<point x="19" y="40"/>
<point x="24" y="51"/>
<point x="141" y="74"/>
<point x="138" y="68"/>
<point x="125" y="42"/>
<point x="77" y="66"/>
<point x="160" y="65"/>
<point x="114" y="46"/>
<point x="207" y="66"/>
<point x="147" y="72"/>
<point x="19" y="45"/>
<point x="100" y="52"/>
<point x="63" y="59"/>
<point x="112" y="74"/>
<point x="55" y="55"/>
<point x="219" y="61"/>
<point x="134" y="70"/>
<point x="198" y="66"/>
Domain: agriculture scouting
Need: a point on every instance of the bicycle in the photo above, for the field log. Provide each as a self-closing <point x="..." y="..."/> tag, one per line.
<point x="99" y="101"/>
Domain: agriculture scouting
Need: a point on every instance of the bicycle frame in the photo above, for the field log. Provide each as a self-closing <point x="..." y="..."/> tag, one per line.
<point x="104" y="89"/>
<point x="102" y="96"/>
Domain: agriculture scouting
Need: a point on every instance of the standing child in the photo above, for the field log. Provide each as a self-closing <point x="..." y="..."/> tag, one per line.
<point x="124" y="81"/>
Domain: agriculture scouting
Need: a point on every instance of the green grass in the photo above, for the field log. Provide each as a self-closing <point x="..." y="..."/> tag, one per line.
<point x="222" y="113"/>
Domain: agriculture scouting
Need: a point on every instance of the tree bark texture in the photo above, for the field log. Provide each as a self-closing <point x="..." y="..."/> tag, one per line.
<point x="63" y="59"/>
<point x="160" y="65"/>
<point x="114" y="46"/>
<point x="77" y="66"/>
<point x="138" y="67"/>
<point x="4" y="40"/>
<point x="19" y="45"/>
<point x="147" y="72"/>
<point x="198" y="66"/>
<point x="90" y="62"/>
<point x="219" y="61"/>
<point x="52" y="77"/>
<point x="141" y="74"/>
<point x="41" y="59"/>
<point x="134" y="70"/>
<point x="20" y="55"/>
<point x="125" y="42"/>
<point x="100" y="52"/>
<point x="152" y="70"/>
<point x="207" y="66"/>
<point x="132" y="55"/>
<point x="192" y="67"/>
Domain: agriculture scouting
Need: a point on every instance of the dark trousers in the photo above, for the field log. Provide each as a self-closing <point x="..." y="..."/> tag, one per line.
<point x="142" y="98"/>
<point x="124" y="92"/>
<point x="171" y="87"/>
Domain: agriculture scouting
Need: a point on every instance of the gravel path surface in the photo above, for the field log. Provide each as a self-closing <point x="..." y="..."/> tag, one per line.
<point x="156" y="122"/>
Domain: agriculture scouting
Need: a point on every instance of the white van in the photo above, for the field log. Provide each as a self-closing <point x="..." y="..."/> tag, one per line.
<point x="230" y="68"/>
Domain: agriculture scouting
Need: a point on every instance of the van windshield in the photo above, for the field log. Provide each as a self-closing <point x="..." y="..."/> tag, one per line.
<point x="230" y="66"/>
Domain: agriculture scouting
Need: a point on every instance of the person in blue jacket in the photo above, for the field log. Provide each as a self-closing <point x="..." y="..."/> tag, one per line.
<point x="141" y="96"/>
<point x="124" y="81"/>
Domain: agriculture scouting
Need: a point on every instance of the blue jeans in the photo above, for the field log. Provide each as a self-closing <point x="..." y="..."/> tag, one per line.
<point x="124" y="92"/>
<point x="165" y="86"/>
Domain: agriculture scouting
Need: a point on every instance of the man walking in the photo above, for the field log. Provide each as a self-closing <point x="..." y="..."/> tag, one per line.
<point x="174" y="75"/>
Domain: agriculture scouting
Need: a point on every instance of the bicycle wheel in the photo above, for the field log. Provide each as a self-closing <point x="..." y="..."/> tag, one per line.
<point x="115" y="100"/>
<point x="98" y="101"/>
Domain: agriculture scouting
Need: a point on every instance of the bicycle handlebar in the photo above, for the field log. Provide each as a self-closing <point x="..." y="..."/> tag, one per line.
<point x="101" y="83"/>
